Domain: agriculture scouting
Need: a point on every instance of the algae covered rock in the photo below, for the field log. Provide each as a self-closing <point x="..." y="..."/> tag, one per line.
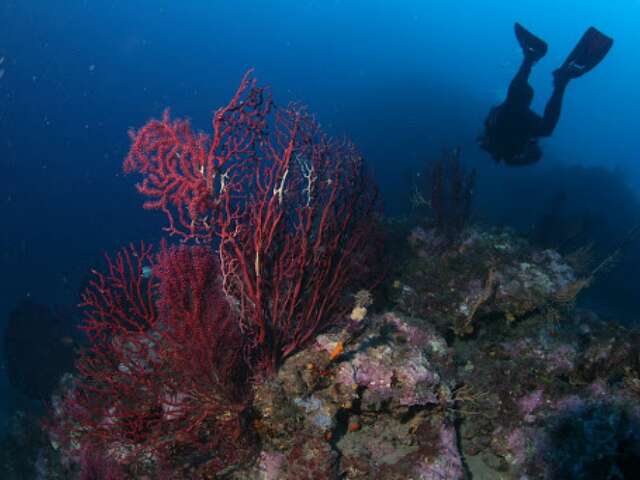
<point x="480" y="273"/>
<point x="377" y="409"/>
<point x="542" y="379"/>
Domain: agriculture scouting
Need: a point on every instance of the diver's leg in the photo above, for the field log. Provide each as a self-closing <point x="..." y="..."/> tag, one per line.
<point x="521" y="80"/>
<point x="533" y="49"/>
<point x="553" y="108"/>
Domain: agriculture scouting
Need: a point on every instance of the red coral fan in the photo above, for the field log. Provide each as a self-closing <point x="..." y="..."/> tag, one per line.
<point x="291" y="212"/>
<point x="451" y="193"/>
<point x="185" y="172"/>
<point x="163" y="369"/>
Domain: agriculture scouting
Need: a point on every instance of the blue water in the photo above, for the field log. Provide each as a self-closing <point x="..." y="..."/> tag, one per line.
<point x="404" y="79"/>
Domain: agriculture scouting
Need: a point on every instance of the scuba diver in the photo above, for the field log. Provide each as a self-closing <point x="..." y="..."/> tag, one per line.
<point x="512" y="129"/>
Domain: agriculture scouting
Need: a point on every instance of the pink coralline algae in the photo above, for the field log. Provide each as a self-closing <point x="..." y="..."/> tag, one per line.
<point x="385" y="372"/>
<point x="556" y="357"/>
<point x="517" y="442"/>
<point x="375" y="411"/>
<point x="530" y="403"/>
<point x="448" y="464"/>
<point x="271" y="465"/>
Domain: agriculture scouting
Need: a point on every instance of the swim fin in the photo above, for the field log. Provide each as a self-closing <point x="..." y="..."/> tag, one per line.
<point x="589" y="52"/>
<point x="532" y="46"/>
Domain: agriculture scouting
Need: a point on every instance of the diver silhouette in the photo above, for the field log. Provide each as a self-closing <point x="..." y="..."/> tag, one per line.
<point x="512" y="129"/>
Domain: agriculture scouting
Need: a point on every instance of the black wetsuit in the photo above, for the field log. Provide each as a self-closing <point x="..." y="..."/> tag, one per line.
<point x="513" y="129"/>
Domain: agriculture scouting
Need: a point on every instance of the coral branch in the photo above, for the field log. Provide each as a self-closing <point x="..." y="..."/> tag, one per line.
<point x="451" y="193"/>
<point x="183" y="171"/>
<point x="158" y="377"/>
<point x="291" y="212"/>
<point x="294" y="245"/>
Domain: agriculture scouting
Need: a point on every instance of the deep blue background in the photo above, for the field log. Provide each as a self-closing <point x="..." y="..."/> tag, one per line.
<point x="402" y="78"/>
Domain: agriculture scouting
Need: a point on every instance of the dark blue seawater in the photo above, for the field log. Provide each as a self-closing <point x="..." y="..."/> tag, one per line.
<point x="403" y="79"/>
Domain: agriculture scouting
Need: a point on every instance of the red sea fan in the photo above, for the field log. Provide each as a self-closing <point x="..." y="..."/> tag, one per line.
<point x="163" y="371"/>
<point x="185" y="171"/>
<point x="292" y="213"/>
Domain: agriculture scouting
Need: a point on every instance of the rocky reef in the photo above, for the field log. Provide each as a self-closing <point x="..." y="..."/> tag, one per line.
<point x="481" y="274"/>
<point x="478" y="366"/>
<point x="377" y="407"/>
<point x="479" y="371"/>
<point x="532" y="365"/>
